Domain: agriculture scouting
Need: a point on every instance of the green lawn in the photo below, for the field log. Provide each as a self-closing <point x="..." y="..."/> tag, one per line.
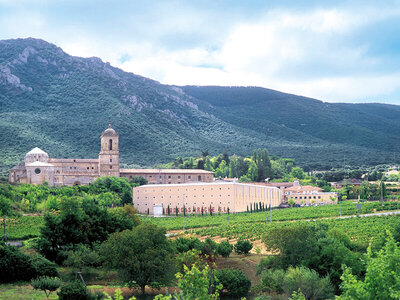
<point x="22" y="291"/>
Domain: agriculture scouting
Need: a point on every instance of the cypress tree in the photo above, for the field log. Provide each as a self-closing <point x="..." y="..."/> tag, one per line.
<point x="210" y="211"/>
<point x="228" y="210"/>
<point x="169" y="211"/>
<point x="176" y="210"/>
<point x="194" y="210"/>
<point x="251" y="207"/>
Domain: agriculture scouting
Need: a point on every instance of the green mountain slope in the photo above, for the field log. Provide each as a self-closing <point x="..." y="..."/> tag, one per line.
<point x="62" y="103"/>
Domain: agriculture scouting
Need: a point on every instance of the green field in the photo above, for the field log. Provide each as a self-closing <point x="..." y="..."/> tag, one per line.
<point x="26" y="227"/>
<point x="358" y="229"/>
<point x="288" y="214"/>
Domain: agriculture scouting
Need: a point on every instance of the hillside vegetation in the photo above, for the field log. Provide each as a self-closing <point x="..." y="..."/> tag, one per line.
<point x="62" y="103"/>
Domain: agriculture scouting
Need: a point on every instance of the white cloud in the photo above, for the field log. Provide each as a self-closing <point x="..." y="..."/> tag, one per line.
<point x="309" y="52"/>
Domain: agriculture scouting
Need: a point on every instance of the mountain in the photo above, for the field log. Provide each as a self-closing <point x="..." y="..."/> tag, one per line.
<point x="62" y="103"/>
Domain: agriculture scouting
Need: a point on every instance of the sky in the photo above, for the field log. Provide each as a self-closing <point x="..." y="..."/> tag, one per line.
<point x="335" y="51"/>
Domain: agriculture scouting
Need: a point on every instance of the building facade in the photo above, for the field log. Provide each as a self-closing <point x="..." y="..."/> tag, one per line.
<point x="203" y="197"/>
<point x="38" y="168"/>
<point x="309" y="195"/>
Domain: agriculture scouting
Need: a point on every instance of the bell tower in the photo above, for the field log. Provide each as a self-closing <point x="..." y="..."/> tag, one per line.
<point x="109" y="153"/>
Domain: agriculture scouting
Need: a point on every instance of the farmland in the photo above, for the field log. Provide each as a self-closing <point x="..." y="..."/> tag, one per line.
<point x="25" y="227"/>
<point x="290" y="214"/>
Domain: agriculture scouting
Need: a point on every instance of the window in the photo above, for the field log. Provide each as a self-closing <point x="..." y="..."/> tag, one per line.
<point x="110" y="167"/>
<point x="169" y="176"/>
<point x="199" y="177"/>
<point x="110" y="159"/>
<point x="179" y="177"/>
<point x="88" y="168"/>
<point x="110" y="144"/>
<point x="190" y="177"/>
<point x="37" y="171"/>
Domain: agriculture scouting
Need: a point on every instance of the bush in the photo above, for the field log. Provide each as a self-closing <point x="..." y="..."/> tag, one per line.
<point x="233" y="281"/>
<point x="82" y="257"/>
<point x="271" y="280"/>
<point x="243" y="247"/>
<point x="43" y="267"/>
<point x="74" y="290"/>
<point x="210" y="247"/>
<point x="46" y="284"/>
<point x="184" y="244"/>
<point x="300" y="279"/>
<point x="308" y="282"/>
<point x="224" y="249"/>
<point x="14" y="265"/>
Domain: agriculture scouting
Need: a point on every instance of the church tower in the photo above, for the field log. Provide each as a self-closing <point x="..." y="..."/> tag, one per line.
<point x="109" y="153"/>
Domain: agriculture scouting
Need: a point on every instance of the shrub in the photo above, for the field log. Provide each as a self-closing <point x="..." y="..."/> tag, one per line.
<point x="43" y="267"/>
<point x="46" y="284"/>
<point x="82" y="257"/>
<point x="210" y="247"/>
<point x="243" y="247"/>
<point x="300" y="279"/>
<point x="14" y="265"/>
<point x="185" y="244"/>
<point x="74" y="290"/>
<point x="308" y="282"/>
<point x="224" y="249"/>
<point x="233" y="281"/>
<point x="271" y="280"/>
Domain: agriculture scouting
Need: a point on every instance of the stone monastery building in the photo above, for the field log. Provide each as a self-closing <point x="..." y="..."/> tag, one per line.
<point x="38" y="167"/>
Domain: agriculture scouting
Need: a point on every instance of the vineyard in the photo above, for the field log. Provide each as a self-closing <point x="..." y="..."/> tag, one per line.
<point x="358" y="229"/>
<point x="288" y="214"/>
<point x="24" y="227"/>
<point x="247" y="225"/>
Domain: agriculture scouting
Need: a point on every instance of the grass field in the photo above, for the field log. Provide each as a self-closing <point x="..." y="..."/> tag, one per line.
<point x="22" y="291"/>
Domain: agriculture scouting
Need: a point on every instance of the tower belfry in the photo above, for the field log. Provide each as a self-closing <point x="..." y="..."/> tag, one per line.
<point x="109" y="153"/>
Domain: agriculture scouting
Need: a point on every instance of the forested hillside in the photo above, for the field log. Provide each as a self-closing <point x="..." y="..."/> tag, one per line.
<point x="62" y="103"/>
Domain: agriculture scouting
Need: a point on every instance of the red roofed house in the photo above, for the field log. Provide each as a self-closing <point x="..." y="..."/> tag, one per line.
<point x="308" y="194"/>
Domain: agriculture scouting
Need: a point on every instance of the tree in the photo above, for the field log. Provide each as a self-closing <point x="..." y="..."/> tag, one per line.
<point x="195" y="283"/>
<point x="243" y="247"/>
<point x="143" y="255"/>
<point x="263" y="164"/>
<point x="382" y="277"/>
<point x="46" y="284"/>
<point x="296" y="245"/>
<point x="298" y="173"/>
<point x="81" y="222"/>
<point x="108" y="199"/>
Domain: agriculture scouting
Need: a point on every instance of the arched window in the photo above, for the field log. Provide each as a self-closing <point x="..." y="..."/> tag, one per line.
<point x="110" y="144"/>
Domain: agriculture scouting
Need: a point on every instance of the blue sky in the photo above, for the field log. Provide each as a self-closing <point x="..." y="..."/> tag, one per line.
<point x="337" y="51"/>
